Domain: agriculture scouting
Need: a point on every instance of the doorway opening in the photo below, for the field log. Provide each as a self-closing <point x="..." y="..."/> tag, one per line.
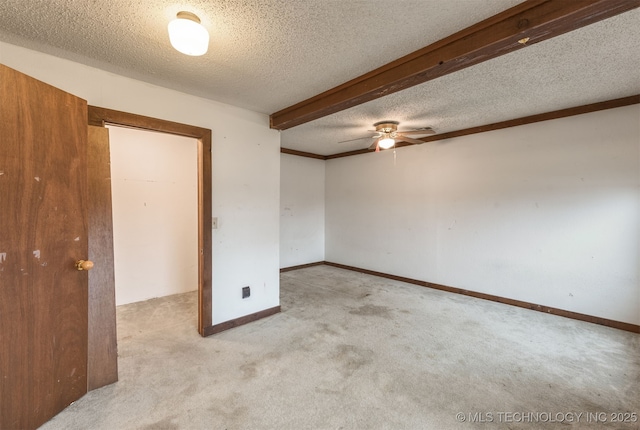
<point x="154" y="195"/>
<point x="102" y="117"/>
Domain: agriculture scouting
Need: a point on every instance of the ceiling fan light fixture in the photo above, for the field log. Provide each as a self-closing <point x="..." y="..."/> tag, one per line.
<point x="187" y="35"/>
<point x="386" y="142"/>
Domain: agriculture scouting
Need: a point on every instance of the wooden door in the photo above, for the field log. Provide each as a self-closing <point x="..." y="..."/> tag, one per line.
<point x="102" y="360"/>
<point x="43" y="231"/>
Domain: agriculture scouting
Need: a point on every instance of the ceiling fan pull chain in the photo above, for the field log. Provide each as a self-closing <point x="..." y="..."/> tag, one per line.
<point x="394" y="157"/>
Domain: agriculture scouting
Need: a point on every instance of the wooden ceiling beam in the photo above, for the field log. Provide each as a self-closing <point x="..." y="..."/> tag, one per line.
<point x="533" y="20"/>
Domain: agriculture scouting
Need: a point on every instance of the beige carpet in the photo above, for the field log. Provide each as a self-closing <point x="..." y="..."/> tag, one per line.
<point x="353" y="351"/>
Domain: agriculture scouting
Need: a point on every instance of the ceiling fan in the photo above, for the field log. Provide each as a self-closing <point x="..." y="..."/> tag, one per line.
<point x="387" y="135"/>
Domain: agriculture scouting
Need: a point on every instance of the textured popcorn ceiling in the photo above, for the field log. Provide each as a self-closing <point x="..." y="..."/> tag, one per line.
<point x="596" y="63"/>
<point x="265" y="55"/>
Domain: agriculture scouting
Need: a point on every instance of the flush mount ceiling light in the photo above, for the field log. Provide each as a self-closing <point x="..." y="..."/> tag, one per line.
<point x="187" y="35"/>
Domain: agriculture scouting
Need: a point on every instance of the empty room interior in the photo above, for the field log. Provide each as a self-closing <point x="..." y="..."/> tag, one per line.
<point x="380" y="214"/>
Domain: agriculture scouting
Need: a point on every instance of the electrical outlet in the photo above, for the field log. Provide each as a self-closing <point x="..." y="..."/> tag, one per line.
<point x="246" y="292"/>
<point x="214" y="222"/>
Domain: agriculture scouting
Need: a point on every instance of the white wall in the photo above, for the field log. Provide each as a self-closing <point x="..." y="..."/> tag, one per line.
<point x="547" y="213"/>
<point x="245" y="166"/>
<point x="154" y="186"/>
<point x="301" y="210"/>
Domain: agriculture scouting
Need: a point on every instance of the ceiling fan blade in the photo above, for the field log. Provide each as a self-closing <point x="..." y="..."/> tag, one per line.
<point x="359" y="138"/>
<point x="410" y="140"/>
<point x="374" y="145"/>
<point x="425" y="132"/>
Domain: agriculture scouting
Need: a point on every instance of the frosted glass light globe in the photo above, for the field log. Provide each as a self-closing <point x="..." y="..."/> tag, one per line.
<point x="187" y="35"/>
<point x="386" y="143"/>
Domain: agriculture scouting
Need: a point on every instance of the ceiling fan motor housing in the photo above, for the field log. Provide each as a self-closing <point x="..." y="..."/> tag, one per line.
<point x="387" y="128"/>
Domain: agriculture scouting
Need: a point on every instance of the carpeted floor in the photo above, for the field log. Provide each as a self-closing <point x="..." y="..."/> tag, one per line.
<point x="353" y="351"/>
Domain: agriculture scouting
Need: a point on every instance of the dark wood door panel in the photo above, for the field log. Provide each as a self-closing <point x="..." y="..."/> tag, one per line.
<point x="43" y="231"/>
<point x="102" y="362"/>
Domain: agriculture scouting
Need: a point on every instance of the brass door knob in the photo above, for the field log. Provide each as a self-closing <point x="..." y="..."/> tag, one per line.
<point x="84" y="265"/>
